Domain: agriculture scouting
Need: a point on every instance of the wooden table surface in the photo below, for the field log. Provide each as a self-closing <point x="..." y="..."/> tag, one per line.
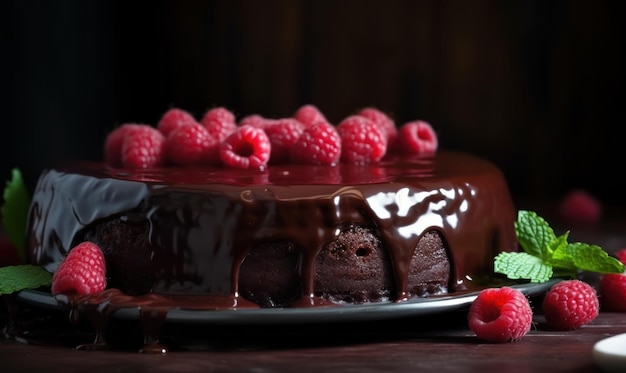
<point x="438" y="343"/>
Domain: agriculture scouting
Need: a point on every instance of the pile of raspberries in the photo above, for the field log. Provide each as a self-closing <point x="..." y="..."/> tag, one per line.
<point x="253" y="142"/>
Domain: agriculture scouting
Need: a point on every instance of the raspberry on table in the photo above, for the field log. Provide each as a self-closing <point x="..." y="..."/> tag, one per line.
<point x="309" y="114"/>
<point x="417" y="137"/>
<point x="247" y="147"/>
<point x="361" y="140"/>
<point x="580" y="207"/>
<point x="613" y="292"/>
<point x="386" y="125"/>
<point x="570" y="304"/>
<point x="174" y="118"/>
<point x="143" y="147"/>
<point x="283" y="133"/>
<point x="319" y="144"/>
<point x="621" y="255"/>
<point x="612" y="288"/>
<point x="500" y="315"/>
<point x="83" y="271"/>
<point x="192" y="144"/>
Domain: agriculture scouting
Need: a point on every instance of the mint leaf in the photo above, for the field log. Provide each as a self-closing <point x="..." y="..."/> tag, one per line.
<point x="15" y="211"/>
<point x="534" y="234"/>
<point x="522" y="266"/>
<point x="587" y="257"/>
<point x="546" y="255"/>
<point x="26" y="276"/>
<point x="560" y="258"/>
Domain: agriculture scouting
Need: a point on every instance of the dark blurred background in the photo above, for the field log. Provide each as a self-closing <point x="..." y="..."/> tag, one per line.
<point x="537" y="87"/>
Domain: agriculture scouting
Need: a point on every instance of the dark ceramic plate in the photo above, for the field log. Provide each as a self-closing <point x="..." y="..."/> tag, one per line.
<point x="344" y="313"/>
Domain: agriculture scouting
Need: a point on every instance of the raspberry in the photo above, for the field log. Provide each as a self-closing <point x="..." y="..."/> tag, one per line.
<point x="613" y="292"/>
<point x="580" y="207"/>
<point x="500" y="315"/>
<point x="319" y="144"/>
<point x="417" y="137"/>
<point x="570" y="304"/>
<point x="621" y="255"/>
<point x="191" y="144"/>
<point x="309" y="114"/>
<point x="174" y="118"/>
<point x="81" y="272"/>
<point x="612" y="288"/>
<point x="143" y="147"/>
<point x="114" y="142"/>
<point x="220" y="114"/>
<point x="386" y="125"/>
<point x="247" y="147"/>
<point x="254" y="120"/>
<point x="220" y="122"/>
<point x="282" y="134"/>
<point x="361" y="140"/>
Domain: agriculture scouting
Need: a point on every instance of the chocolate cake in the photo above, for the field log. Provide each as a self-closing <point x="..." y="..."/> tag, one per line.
<point x="287" y="236"/>
<point x="268" y="214"/>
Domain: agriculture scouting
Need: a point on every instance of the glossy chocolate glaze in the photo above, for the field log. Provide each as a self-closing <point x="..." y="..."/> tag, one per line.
<point x="203" y="221"/>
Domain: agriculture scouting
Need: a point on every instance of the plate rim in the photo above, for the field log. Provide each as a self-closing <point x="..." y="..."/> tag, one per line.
<point x="340" y="313"/>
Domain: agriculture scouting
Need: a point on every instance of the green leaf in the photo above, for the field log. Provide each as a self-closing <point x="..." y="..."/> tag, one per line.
<point x="534" y="234"/>
<point x="559" y="243"/>
<point x="546" y="255"/>
<point x="15" y="211"/>
<point x="17" y="278"/>
<point x="520" y="265"/>
<point x="559" y="257"/>
<point x="587" y="257"/>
